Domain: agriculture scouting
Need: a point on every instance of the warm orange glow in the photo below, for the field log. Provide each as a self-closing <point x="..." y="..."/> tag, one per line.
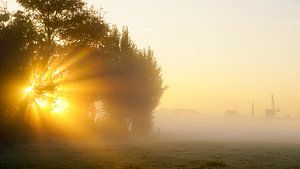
<point x="54" y="93"/>
<point x="53" y="90"/>
<point x="45" y="91"/>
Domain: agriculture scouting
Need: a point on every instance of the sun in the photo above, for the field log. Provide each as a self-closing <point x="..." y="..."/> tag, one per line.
<point x="28" y="89"/>
<point x="59" y="87"/>
<point x="45" y="92"/>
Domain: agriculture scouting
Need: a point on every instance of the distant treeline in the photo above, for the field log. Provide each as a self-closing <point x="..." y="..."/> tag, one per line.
<point x="126" y="80"/>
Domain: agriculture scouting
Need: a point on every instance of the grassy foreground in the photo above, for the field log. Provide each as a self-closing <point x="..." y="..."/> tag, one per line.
<point x="155" y="155"/>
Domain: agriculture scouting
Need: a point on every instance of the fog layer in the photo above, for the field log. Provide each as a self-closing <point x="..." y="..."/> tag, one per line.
<point x="196" y="126"/>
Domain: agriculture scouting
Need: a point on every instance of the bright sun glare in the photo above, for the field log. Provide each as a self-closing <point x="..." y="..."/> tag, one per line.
<point x="28" y="89"/>
<point x="50" y="88"/>
<point x="44" y="94"/>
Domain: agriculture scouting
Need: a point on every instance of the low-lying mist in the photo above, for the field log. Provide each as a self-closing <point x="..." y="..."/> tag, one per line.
<point x="196" y="126"/>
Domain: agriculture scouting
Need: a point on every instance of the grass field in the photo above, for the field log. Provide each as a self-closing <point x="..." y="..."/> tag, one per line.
<point x="147" y="155"/>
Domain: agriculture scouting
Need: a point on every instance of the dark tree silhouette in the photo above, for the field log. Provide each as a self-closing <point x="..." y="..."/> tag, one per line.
<point x="18" y="38"/>
<point x="67" y="22"/>
<point x="135" y="86"/>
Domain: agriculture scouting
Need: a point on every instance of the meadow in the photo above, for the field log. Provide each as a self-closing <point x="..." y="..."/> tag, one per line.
<point x="152" y="155"/>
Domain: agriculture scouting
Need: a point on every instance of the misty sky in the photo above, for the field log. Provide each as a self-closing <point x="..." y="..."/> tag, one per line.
<point x="218" y="55"/>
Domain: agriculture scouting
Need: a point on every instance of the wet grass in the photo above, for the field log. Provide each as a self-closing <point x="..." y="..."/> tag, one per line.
<point x="153" y="155"/>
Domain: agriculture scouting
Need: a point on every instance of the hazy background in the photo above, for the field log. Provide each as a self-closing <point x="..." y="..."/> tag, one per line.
<point x="220" y="55"/>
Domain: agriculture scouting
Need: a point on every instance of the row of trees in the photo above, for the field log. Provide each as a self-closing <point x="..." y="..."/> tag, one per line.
<point x="44" y="30"/>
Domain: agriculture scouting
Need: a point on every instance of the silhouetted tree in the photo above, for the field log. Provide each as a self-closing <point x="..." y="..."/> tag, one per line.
<point x="45" y="29"/>
<point x="18" y="38"/>
<point x="134" y="87"/>
<point x="65" y="23"/>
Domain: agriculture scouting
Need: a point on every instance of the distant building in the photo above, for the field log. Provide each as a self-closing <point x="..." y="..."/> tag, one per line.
<point x="232" y="113"/>
<point x="271" y="113"/>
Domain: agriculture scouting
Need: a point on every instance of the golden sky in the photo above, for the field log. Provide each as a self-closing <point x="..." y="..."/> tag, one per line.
<point x="218" y="55"/>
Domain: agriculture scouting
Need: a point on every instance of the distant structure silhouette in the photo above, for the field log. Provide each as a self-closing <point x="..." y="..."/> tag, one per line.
<point x="252" y="109"/>
<point x="271" y="113"/>
<point x="232" y="113"/>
